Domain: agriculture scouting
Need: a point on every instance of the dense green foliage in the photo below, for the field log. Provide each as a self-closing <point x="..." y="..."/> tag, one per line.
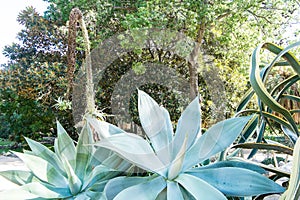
<point x="229" y="30"/>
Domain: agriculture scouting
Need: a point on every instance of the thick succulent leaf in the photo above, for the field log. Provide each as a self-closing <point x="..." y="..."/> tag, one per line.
<point x="177" y="163"/>
<point x="45" y="153"/>
<point x="98" y="175"/>
<point x="74" y="182"/>
<point x="116" y="185"/>
<point x="117" y="163"/>
<point x="189" y="124"/>
<point x="293" y="191"/>
<point x="214" y="140"/>
<point x="248" y="183"/>
<point x="239" y="164"/>
<point x="64" y="145"/>
<point x="17" y="176"/>
<point x="276" y="147"/>
<point x="103" y="129"/>
<point x="162" y="195"/>
<point x="43" y="170"/>
<point x="30" y="191"/>
<point x="146" y="191"/>
<point x="199" y="188"/>
<point x="293" y="137"/>
<point x="83" y="152"/>
<point x="260" y="89"/>
<point x="173" y="191"/>
<point x="136" y="150"/>
<point x="156" y="124"/>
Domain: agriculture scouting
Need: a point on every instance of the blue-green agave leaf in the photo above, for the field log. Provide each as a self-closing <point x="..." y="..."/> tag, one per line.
<point x="234" y="181"/>
<point x="18" y="177"/>
<point x="116" y="185"/>
<point x="239" y="164"/>
<point x="146" y="191"/>
<point x="45" y="153"/>
<point x="30" y="191"/>
<point x="293" y="136"/>
<point x="199" y="188"/>
<point x="43" y="170"/>
<point x="136" y="150"/>
<point x="156" y="124"/>
<point x="64" y="145"/>
<point x="103" y="129"/>
<point x="74" y="182"/>
<point x="98" y="175"/>
<point x="214" y="140"/>
<point x="173" y="191"/>
<point x="177" y="163"/>
<point x="189" y="124"/>
<point x="83" y="152"/>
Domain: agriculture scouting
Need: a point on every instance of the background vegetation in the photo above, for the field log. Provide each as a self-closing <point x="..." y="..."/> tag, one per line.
<point x="35" y="77"/>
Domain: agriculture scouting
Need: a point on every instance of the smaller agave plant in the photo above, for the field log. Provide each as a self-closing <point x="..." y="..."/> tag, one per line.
<point x="71" y="172"/>
<point x="173" y="161"/>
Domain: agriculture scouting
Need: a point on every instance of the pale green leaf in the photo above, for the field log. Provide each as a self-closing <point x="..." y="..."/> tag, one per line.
<point x="199" y="188"/>
<point x="146" y="191"/>
<point x="134" y="149"/>
<point x="214" y="140"/>
<point x="156" y="124"/>
<point x="45" y="153"/>
<point x="173" y="191"/>
<point x="17" y="176"/>
<point x="225" y="179"/>
<point x="43" y="170"/>
<point x="116" y="185"/>
<point x="83" y="152"/>
<point x="189" y="124"/>
<point x="64" y="145"/>
<point x="30" y="191"/>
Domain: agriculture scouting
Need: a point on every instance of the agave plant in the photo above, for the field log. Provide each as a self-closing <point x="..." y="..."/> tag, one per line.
<point x="269" y="107"/>
<point x="174" y="160"/>
<point x="71" y="172"/>
<point x="293" y="191"/>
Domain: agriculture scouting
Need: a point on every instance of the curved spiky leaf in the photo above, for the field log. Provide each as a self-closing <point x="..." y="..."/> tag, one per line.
<point x="199" y="188"/>
<point x="244" y="165"/>
<point x="43" y="170"/>
<point x="293" y="191"/>
<point x="262" y="92"/>
<point x="64" y="145"/>
<point x="17" y="176"/>
<point x="177" y="163"/>
<point x="84" y="152"/>
<point x="134" y="149"/>
<point x="116" y="185"/>
<point x="214" y="140"/>
<point x="189" y="124"/>
<point x="156" y="124"/>
<point x="146" y="191"/>
<point x="33" y="190"/>
<point x="293" y="137"/>
<point x="73" y="180"/>
<point x="45" y="153"/>
<point x="275" y="147"/>
<point x="102" y="128"/>
<point x="173" y="191"/>
<point x="225" y="180"/>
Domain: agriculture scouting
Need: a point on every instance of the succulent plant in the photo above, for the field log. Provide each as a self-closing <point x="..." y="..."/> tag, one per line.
<point x="174" y="160"/>
<point x="71" y="172"/>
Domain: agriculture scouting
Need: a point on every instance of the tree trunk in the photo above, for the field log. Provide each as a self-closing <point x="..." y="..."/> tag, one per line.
<point x="74" y="18"/>
<point x="193" y="67"/>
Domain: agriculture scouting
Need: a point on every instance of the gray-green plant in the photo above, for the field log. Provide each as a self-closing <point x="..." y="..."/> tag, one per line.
<point x="71" y="172"/>
<point x="173" y="160"/>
